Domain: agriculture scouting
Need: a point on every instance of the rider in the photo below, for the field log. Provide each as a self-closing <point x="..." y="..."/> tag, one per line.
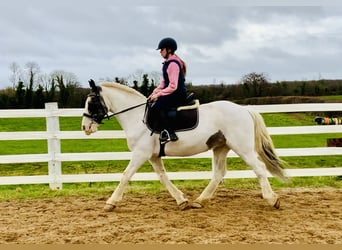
<point x="171" y="91"/>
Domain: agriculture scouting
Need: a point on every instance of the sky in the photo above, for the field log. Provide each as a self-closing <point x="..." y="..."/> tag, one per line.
<point x="220" y="43"/>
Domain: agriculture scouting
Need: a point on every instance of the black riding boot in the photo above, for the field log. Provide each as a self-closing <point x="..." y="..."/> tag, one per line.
<point x="168" y="134"/>
<point x="171" y="127"/>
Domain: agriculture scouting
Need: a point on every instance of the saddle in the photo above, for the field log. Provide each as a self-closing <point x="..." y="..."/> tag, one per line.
<point x="185" y="117"/>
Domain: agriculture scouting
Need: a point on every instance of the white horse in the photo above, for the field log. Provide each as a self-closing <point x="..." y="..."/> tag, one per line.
<point x="222" y="126"/>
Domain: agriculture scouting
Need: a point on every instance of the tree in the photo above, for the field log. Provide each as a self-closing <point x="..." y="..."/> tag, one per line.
<point x="135" y="77"/>
<point x="16" y="73"/>
<point x="66" y="83"/>
<point x="155" y="77"/>
<point x="144" y="88"/>
<point x="255" y="84"/>
<point x="121" y="80"/>
<point x="63" y="92"/>
<point x="48" y="83"/>
<point x="68" y="77"/>
<point x="20" y="95"/>
<point x="39" y="98"/>
<point x="135" y="85"/>
<point x="33" y="69"/>
<point x="7" y="98"/>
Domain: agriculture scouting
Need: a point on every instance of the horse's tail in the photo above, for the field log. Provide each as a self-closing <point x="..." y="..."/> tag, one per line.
<point x="265" y="148"/>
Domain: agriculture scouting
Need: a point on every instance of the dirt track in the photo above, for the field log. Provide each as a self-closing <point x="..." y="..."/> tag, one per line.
<point x="233" y="216"/>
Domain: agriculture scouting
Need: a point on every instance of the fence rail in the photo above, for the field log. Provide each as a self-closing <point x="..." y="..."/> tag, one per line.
<point x="54" y="157"/>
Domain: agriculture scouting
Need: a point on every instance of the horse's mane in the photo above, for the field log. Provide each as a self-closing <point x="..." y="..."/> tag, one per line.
<point x="122" y="87"/>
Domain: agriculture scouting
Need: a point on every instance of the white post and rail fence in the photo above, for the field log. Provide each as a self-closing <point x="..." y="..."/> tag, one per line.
<point x="55" y="178"/>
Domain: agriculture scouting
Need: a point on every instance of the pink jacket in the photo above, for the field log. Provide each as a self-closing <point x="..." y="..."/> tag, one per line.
<point x="173" y="73"/>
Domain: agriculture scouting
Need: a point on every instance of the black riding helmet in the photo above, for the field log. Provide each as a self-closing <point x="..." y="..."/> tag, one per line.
<point x="169" y="43"/>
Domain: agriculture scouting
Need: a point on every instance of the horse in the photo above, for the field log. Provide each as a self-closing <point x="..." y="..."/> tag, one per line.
<point x="222" y="126"/>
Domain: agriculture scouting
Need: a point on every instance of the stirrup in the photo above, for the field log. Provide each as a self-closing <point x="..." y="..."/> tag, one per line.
<point x="164" y="136"/>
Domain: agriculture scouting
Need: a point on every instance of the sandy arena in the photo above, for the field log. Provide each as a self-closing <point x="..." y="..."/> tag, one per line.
<point x="232" y="216"/>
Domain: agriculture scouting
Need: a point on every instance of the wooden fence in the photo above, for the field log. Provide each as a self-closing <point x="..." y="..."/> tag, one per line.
<point x="54" y="157"/>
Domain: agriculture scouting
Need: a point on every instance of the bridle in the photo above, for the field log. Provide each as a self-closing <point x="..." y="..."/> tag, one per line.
<point x="97" y="108"/>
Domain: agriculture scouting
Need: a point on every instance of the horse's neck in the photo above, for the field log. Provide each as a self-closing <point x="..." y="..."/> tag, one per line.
<point x="119" y="100"/>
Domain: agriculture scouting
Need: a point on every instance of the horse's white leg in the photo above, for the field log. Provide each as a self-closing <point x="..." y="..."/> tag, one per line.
<point x="138" y="158"/>
<point x="158" y="166"/>
<point x="219" y="162"/>
<point x="261" y="172"/>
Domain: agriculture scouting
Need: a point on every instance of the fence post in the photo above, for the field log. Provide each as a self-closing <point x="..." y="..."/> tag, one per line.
<point x="54" y="145"/>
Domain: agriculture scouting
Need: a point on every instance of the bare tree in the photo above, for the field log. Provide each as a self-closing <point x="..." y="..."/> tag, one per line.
<point x="139" y="76"/>
<point x="135" y="77"/>
<point x="45" y="81"/>
<point x="16" y="73"/>
<point x="32" y="70"/>
<point x="68" y="77"/>
<point x="155" y="77"/>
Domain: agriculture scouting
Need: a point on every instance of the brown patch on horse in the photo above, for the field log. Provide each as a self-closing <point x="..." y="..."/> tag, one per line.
<point x="216" y="140"/>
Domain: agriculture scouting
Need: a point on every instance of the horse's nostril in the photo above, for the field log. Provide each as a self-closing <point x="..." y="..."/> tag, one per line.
<point x="83" y="127"/>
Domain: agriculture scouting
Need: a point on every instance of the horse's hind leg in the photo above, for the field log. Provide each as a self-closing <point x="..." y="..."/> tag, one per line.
<point x="136" y="161"/>
<point x="158" y="166"/>
<point x="219" y="162"/>
<point x="260" y="170"/>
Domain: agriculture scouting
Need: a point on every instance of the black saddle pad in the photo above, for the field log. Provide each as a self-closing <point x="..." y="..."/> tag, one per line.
<point x="184" y="120"/>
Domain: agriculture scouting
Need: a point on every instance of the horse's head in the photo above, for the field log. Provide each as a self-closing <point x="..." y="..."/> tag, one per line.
<point x="95" y="109"/>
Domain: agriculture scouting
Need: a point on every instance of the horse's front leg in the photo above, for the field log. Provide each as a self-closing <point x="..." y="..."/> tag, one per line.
<point x="178" y="195"/>
<point x="138" y="158"/>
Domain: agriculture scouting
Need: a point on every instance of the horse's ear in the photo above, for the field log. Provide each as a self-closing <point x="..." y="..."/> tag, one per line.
<point x="92" y="85"/>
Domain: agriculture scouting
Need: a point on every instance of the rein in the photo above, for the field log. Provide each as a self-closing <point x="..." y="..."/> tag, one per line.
<point x="127" y="109"/>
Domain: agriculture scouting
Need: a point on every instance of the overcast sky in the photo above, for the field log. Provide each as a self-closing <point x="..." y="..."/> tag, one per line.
<point x="220" y="43"/>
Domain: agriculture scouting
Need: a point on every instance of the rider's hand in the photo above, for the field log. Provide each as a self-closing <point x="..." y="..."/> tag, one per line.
<point x="153" y="97"/>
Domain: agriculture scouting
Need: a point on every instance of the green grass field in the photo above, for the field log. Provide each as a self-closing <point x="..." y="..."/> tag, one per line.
<point x="332" y="97"/>
<point x="108" y="145"/>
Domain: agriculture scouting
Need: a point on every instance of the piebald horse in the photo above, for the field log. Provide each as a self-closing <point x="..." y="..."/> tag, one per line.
<point x="222" y="126"/>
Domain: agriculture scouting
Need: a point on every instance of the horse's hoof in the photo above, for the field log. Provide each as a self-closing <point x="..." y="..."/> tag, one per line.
<point x="277" y="204"/>
<point x="109" y="207"/>
<point x="184" y="205"/>
<point x="196" y="204"/>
